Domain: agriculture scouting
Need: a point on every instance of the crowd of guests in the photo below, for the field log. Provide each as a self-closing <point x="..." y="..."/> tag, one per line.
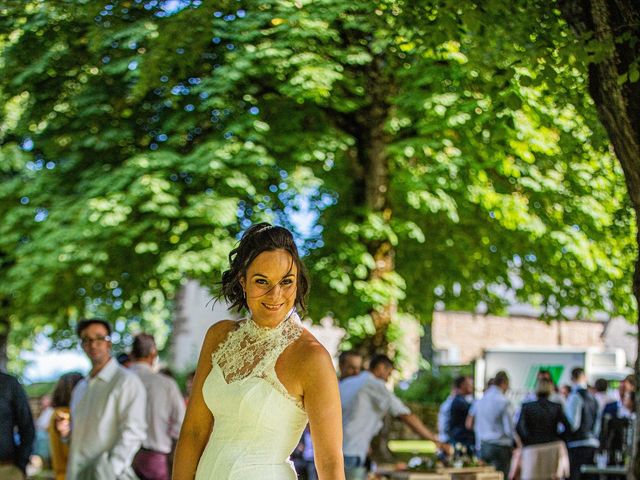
<point x="554" y="432"/>
<point x="365" y="401"/>
<point x="122" y="419"/>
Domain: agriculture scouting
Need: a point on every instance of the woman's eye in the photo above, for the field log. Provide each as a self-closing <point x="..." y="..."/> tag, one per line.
<point x="261" y="281"/>
<point x="287" y="281"/>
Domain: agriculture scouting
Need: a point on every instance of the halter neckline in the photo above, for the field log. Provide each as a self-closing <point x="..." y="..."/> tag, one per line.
<point x="253" y="325"/>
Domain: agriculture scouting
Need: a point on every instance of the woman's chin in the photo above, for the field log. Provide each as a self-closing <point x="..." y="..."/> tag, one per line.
<point x="270" y="314"/>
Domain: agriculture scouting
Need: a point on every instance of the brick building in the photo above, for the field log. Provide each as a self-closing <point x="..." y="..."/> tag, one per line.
<point x="460" y="337"/>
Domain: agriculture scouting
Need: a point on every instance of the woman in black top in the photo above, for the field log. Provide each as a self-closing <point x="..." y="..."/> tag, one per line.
<point x="539" y="420"/>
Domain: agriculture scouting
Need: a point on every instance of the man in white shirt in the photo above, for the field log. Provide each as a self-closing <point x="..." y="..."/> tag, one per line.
<point x="493" y="425"/>
<point x="365" y="402"/>
<point x="165" y="411"/>
<point x="107" y="412"/>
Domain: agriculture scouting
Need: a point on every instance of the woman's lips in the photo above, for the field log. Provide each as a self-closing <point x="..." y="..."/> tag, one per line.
<point x="273" y="307"/>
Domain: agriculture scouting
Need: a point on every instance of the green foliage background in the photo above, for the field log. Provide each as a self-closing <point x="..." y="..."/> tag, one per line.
<point x="139" y="138"/>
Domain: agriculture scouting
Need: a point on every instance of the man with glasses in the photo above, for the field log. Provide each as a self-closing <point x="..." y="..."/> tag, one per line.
<point x="108" y="411"/>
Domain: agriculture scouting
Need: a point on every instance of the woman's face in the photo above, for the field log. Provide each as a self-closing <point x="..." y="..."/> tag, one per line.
<point x="270" y="286"/>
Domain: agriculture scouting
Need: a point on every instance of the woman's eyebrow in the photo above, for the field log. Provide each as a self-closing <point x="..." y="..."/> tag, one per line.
<point x="290" y="274"/>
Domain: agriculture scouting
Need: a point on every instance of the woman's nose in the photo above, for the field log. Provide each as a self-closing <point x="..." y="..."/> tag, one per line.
<point x="275" y="291"/>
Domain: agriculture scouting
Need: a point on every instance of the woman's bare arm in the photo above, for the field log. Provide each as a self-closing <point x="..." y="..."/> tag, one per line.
<point x="198" y="420"/>
<point x="322" y="404"/>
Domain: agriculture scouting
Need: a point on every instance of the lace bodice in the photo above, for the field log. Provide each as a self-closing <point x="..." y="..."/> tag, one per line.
<point x="257" y="423"/>
<point x="252" y="351"/>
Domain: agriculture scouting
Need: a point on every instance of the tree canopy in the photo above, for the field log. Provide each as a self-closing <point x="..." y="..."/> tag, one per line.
<point x="447" y="152"/>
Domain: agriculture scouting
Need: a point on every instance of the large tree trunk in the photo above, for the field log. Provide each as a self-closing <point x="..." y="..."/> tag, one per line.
<point x="371" y="170"/>
<point x="377" y="186"/>
<point x="618" y="103"/>
<point x="427" y="349"/>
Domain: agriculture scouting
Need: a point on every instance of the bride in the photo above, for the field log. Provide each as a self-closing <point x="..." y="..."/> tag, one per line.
<point x="261" y="379"/>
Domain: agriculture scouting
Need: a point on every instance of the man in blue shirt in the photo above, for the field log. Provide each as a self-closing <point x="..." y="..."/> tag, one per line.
<point x="15" y="415"/>
<point x="493" y="424"/>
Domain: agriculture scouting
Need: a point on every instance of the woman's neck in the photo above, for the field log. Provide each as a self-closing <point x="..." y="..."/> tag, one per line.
<point x="265" y="324"/>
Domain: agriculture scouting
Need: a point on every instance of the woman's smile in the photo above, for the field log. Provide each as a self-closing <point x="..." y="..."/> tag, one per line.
<point x="272" y="306"/>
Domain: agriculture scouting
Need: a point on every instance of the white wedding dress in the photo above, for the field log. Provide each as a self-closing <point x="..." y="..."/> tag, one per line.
<point x="257" y="423"/>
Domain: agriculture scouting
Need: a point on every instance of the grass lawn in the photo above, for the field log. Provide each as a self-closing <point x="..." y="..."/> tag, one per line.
<point x="423" y="447"/>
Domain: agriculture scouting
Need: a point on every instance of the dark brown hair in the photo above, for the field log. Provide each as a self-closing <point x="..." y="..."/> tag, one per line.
<point x="346" y="354"/>
<point x="64" y="387"/>
<point x="261" y="237"/>
<point x="85" y="322"/>
<point x="378" y="359"/>
<point x="501" y="378"/>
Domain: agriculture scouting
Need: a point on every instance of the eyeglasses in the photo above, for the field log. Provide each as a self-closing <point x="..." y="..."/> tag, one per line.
<point x="86" y="341"/>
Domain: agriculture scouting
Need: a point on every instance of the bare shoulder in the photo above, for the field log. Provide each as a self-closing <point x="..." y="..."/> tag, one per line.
<point x="310" y="356"/>
<point x="222" y="327"/>
<point x="217" y="333"/>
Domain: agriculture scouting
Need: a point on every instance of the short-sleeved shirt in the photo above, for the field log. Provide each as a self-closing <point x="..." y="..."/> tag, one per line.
<point x="365" y="402"/>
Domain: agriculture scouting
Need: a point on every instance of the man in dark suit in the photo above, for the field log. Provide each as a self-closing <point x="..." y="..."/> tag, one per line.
<point x="15" y="415"/>
<point x="460" y="406"/>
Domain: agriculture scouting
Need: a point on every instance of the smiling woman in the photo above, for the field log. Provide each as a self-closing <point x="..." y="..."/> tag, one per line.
<point x="270" y="287"/>
<point x="260" y="380"/>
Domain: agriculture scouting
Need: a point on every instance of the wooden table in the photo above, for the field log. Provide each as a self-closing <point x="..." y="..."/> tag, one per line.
<point x="463" y="473"/>
<point x="487" y="472"/>
<point x="417" y="476"/>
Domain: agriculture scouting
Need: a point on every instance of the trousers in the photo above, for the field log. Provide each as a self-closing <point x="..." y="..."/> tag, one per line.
<point x="150" y="465"/>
